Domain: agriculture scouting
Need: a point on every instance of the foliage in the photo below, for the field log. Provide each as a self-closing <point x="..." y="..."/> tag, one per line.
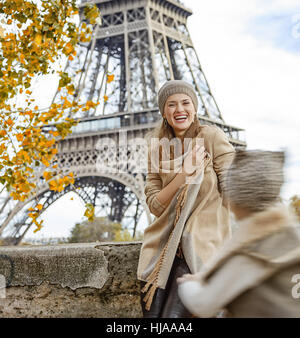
<point x="33" y="37"/>
<point x="295" y="205"/>
<point x="123" y="235"/>
<point x="100" y="229"/>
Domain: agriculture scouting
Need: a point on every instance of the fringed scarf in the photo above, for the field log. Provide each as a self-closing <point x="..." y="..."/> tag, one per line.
<point x="153" y="277"/>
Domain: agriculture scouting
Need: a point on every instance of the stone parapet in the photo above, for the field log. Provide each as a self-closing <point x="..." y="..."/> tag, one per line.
<point x="70" y="281"/>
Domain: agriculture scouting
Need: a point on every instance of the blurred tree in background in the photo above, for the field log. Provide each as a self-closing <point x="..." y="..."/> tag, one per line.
<point x="102" y="230"/>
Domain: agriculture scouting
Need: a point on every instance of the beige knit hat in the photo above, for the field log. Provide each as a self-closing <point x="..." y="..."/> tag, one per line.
<point x="176" y="87"/>
<point x="254" y="179"/>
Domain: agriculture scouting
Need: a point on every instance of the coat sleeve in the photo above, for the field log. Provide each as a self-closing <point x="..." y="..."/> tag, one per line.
<point x="237" y="275"/>
<point x="152" y="188"/>
<point x="223" y="154"/>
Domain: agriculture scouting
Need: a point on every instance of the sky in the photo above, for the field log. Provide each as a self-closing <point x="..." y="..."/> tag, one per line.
<point x="251" y="58"/>
<point x="250" y="55"/>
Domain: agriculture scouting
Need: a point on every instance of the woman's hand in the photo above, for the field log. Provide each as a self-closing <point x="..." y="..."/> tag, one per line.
<point x="194" y="161"/>
<point x="196" y="155"/>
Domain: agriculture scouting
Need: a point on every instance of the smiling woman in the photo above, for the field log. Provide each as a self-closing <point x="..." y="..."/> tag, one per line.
<point x="184" y="191"/>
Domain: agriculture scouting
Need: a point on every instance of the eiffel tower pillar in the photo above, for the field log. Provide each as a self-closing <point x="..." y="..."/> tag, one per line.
<point x="143" y="43"/>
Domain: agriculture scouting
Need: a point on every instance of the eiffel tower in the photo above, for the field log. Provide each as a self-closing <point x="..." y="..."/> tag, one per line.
<point x="143" y="43"/>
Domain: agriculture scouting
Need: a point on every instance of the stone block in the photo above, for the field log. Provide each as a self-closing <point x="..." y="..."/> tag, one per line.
<point x="82" y="280"/>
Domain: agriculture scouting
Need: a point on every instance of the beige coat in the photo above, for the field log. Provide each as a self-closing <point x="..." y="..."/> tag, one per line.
<point x="256" y="273"/>
<point x="204" y="221"/>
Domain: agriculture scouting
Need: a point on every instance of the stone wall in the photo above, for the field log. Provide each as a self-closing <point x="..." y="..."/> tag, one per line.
<point x="71" y="280"/>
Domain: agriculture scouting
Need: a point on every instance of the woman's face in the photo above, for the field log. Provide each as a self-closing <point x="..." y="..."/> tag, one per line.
<point x="180" y="113"/>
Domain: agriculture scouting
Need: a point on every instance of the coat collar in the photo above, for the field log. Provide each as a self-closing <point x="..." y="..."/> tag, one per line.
<point x="252" y="229"/>
<point x="262" y="224"/>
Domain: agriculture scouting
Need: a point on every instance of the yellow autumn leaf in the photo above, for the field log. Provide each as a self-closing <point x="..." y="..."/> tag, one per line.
<point x="2" y="34"/>
<point x="47" y="175"/>
<point x="105" y="98"/>
<point x="90" y="104"/>
<point x="38" y="225"/>
<point x="69" y="48"/>
<point x="56" y="185"/>
<point x="38" y="228"/>
<point x="38" y="39"/>
<point x="19" y="137"/>
<point x="54" y="133"/>
<point x="32" y="215"/>
<point x="9" y="121"/>
<point x="45" y="162"/>
<point x="22" y="59"/>
<point x="25" y="187"/>
<point x="89" y="212"/>
<point x="70" y="89"/>
<point x="24" y="154"/>
<point x="110" y="78"/>
<point x="52" y="185"/>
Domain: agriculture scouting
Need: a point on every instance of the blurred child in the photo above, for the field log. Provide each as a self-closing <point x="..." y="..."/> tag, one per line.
<point x="257" y="271"/>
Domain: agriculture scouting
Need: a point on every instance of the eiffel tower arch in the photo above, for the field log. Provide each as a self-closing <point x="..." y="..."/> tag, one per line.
<point x="143" y="43"/>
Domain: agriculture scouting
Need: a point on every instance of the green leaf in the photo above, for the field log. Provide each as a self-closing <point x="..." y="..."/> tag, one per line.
<point x="64" y="79"/>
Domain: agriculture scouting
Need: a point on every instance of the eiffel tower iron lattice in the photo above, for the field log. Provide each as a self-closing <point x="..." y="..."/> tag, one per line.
<point x="143" y="43"/>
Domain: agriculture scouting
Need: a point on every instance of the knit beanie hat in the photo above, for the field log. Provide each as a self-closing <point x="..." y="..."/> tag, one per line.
<point x="254" y="179"/>
<point x="176" y="87"/>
